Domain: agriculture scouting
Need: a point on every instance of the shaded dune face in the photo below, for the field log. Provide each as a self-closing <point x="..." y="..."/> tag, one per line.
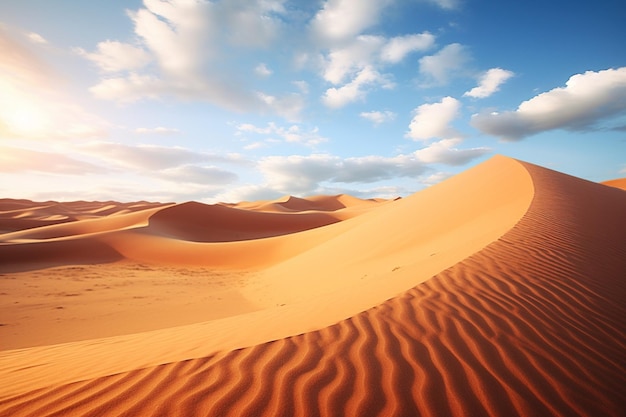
<point x="167" y="232"/>
<point x="198" y="222"/>
<point x="531" y="325"/>
<point x="24" y="214"/>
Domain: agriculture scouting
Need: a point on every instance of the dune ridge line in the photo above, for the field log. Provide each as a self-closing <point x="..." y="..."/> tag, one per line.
<point x="531" y="324"/>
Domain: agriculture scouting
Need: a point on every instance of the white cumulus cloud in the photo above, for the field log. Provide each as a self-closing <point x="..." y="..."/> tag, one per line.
<point x="194" y="45"/>
<point x="445" y="152"/>
<point x="490" y="82"/>
<point x="344" y="61"/>
<point x="340" y="20"/>
<point x="584" y="101"/>
<point x="433" y="120"/>
<point x="356" y="89"/>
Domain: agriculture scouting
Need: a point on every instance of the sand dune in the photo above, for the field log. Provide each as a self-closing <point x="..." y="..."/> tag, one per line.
<point x="617" y="183"/>
<point x="217" y="223"/>
<point x="498" y="292"/>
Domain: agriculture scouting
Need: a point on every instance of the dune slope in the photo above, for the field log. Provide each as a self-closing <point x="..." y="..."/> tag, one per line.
<point x="617" y="183"/>
<point x="533" y="324"/>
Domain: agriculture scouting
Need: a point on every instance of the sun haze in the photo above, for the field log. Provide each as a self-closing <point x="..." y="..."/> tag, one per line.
<point x="326" y="208"/>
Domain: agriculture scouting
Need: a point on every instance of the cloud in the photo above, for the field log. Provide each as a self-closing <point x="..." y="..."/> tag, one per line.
<point x="33" y="101"/>
<point x="19" y="160"/>
<point x="36" y="38"/>
<point x="291" y="134"/>
<point x="175" y="33"/>
<point x="445" y="152"/>
<point x="352" y="64"/>
<point x="378" y="117"/>
<point x="151" y="157"/>
<point x="257" y="23"/>
<point x="262" y="71"/>
<point x="114" y="56"/>
<point x="436" y="178"/>
<point x="433" y="120"/>
<point x="312" y="174"/>
<point x="303" y="175"/>
<point x="19" y="65"/>
<point x="205" y="175"/>
<point x="288" y="106"/>
<point x="32" y="113"/>
<point x="303" y="86"/>
<point x="197" y="48"/>
<point x="440" y="67"/>
<point x="306" y="175"/>
<point x="399" y="47"/>
<point x="356" y="89"/>
<point x="156" y="131"/>
<point x="446" y="4"/>
<point x="586" y="100"/>
<point x="369" y="50"/>
<point x="341" y="20"/>
<point x="489" y="83"/>
<point x="349" y="59"/>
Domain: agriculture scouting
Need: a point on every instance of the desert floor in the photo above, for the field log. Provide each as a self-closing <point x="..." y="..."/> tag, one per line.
<point x="500" y="291"/>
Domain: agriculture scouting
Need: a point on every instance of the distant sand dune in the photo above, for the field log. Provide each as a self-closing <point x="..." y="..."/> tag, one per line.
<point x="617" y="183"/>
<point x="532" y="324"/>
<point x="217" y="223"/>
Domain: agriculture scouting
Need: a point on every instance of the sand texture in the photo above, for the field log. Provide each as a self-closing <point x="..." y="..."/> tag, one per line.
<point x="501" y="291"/>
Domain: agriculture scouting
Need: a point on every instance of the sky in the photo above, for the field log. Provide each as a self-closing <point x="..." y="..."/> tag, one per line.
<point x="242" y="100"/>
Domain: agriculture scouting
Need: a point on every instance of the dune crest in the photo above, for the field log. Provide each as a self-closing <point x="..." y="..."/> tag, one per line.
<point x="340" y="269"/>
<point x="530" y="323"/>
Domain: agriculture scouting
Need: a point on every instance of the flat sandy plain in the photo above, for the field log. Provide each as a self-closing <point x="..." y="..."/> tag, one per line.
<point x="500" y="291"/>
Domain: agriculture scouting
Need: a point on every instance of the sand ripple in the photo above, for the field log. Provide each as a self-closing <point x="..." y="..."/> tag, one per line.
<point x="532" y="325"/>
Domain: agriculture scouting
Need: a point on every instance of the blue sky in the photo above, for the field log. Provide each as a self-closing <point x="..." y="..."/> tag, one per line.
<point x="254" y="99"/>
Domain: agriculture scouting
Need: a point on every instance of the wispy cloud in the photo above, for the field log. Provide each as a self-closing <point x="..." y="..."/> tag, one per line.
<point x="36" y="38"/>
<point x="446" y="152"/>
<point x="184" y="40"/>
<point x="114" y="56"/>
<point x="489" y="83"/>
<point x="203" y="175"/>
<point x="262" y="70"/>
<point x="151" y="157"/>
<point x="274" y="133"/>
<point x="439" y="68"/>
<point x="14" y="159"/>
<point x="317" y="173"/>
<point x="378" y="117"/>
<point x="446" y="4"/>
<point x="397" y="48"/>
<point x="160" y="130"/>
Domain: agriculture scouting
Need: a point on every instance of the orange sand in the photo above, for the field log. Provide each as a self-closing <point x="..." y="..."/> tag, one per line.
<point x="497" y="292"/>
<point x="617" y="183"/>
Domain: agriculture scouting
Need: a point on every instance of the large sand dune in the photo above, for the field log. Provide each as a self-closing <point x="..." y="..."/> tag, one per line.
<point x="498" y="292"/>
